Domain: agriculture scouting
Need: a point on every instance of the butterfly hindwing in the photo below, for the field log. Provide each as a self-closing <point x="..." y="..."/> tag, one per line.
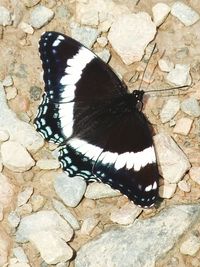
<point x="88" y="111"/>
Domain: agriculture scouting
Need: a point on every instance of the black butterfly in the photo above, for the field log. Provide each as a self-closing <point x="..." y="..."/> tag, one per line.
<point x="88" y="111"/>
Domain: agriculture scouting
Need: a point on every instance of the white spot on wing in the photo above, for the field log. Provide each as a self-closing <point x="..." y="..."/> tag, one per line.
<point x="56" y="42"/>
<point x="148" y="188"/>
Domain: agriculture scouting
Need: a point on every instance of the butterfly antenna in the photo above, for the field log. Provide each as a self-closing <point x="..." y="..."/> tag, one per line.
<point x="152" y="52"/>
<point x="169" y="89"/>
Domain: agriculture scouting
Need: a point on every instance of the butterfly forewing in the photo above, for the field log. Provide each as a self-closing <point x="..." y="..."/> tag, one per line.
<point x="88" y="111"/>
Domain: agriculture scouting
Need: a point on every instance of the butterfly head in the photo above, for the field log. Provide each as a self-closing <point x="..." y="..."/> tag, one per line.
<point x="137" y="98"/>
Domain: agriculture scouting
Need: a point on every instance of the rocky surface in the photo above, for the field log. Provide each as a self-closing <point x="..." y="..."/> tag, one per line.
<point x="49" y="219"/>
<point x="130" y="245"/>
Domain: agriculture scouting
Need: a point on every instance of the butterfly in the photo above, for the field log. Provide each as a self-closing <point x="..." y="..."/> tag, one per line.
<point x="99" y="126"/>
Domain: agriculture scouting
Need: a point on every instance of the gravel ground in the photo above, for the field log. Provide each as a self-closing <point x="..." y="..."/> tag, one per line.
<point x="48" y="219"/>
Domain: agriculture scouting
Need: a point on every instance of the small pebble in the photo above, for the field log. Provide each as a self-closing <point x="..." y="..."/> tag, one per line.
<point x="195" y="174"/>
<point x="13" y="219"/>
<point x="165" y="64"/>
<point x="8" y="81"/>
<point x="37" y="202"/>
<point x="5" y="16"/>
<point x="182" y="53"/>
<point x="88" y="225"/>
<point x="35" y="92"/>
<point x="104" y="26"/>
<point x="167" y="190"/>
<point x="184" y="186"/>
<point x="40" y="16"/>
<point x="104" y="55"/>
<point x="27" y="28"/>
<point x="191" y="107"/>
<point x="85" y="35"/>
<point x="160" y="13"/>
<point x="25" y="209"/>
<point x="191" y="246"/>
<point x="70" y="190"/>
<point x="184" y="13"/>
<point x="4" y="135"/>
<point x="102" y="41"/>
<point x="48" y="164"/>
<point x="99" y="190"/>
<point x="183" y="126"/>
<point x="169" y="110"/>
<point x="31" y="3"/>
<point x="66" y="214"/>
<point x="19" y="253"/>
<point x="11" y="93"/>
<point x="126" y="214"/>
<point x="63" y="264"/>
<point x="24" y="196"/>
<point x="180" y="75"/>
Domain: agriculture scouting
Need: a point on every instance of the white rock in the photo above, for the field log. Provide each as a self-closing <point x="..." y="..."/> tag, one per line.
<point x="184" y="13"/>
<point x="25" y="209"/>
<point x="37" y="202"/>
<point x="15" y="157"/>
<point x="102" y="41"/>
<point x="160" y="13"/>
<point x="88" y="225"/>
<point x="48" y="164"/>
<point x="169" y="110"/>
<point x="195" y="174"/>
<point x="5" y="16"/>
<point x="13" y="219"/>
<point x="173" y="162"/>
<point x="167" y="190"/>
<point x="43" y="221"/>
<point x="24" y="196"/>
<point x="128" y="42"/>
<point x="8" y="81"/>
<point x="165" y="64"/>
<point x="6" y="191"/>
<point x="183" y="126"/>
<point x="184" y="186"/>
<point x="191" y="246"/>
<point x="19" y="253"/>
<point x="70" y="190"/>
<point x="126" y="214"/>
<point x="4" y="135"/>
<point x="66" y="214"/>
<point x="40" y="16"/>
<point x="52" y="248"/>
<point x="18" y="130"/>
<point x="27" y="28"/>
<point x="180" y="75"/>
<point x="100" y="190"/>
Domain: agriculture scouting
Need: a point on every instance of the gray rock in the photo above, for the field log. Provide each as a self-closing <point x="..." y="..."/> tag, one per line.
<point x="100" y="190"/>
<point x="180" y="75"/>
<point x="70" y="190"/>
<point x="62" y="12"/>
<point x="18" y="130"/>
<point x="173" y="162"/>
<point x="40" y="16"/>
<point x="5" y="16"/>
<point x="104" y="55"/>
<point x="184" y="13"/>
<point x="13" y="219"/>
<point x="126" y="41"/>
<point x="66" y="214"/>
<point x="84" y="35"/>
<point x="191" y="107"/>
<point x="35" y="92"/>
<point x="15" y="157"/>
<point x="142" y="243"/>
<point x="169" y="110"/>
<point x="20" y="254"/>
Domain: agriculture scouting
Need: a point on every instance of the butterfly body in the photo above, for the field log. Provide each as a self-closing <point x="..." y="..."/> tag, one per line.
<point x="102" y="132"/>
